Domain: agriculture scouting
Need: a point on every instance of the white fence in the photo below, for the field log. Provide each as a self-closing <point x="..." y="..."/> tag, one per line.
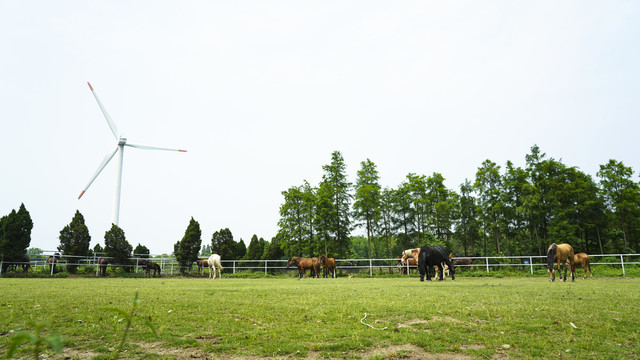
<point x="170" y="266"/>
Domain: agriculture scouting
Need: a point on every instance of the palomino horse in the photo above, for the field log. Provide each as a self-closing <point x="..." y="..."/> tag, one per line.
<point x="561" y="253"/>
<point x="434" y="256"/>
<point x="328" y="266"/>
<point x="582" y="259"/>
<point x="214" y="263"/>
<point x="303" y="263"/>
<point x="51" y="261"/>
<point x="148" y="266"/>
<point x="102" y="266"/>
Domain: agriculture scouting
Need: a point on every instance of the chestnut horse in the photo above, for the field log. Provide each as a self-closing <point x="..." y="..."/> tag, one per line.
<point x="102" y="266"/>
<point x="561" y="253"/>
<point x="51" y="261"/>
<point x="328" y="266"/>
<point x="582" y="259"/>
<point x="303" y="263"/>
<point x="201" y="264"/>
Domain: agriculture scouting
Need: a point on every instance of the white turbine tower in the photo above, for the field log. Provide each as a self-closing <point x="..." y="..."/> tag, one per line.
<point x="122" y="142"/>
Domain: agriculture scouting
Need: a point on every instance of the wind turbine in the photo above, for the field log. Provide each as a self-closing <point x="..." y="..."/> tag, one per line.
<point x="122" y="142"/>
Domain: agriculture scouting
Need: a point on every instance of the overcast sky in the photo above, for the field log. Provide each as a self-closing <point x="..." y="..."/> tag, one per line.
<point x="261" y="93"/>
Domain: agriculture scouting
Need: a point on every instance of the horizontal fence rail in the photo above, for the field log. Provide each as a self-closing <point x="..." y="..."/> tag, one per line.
<point x="169" y="264"/>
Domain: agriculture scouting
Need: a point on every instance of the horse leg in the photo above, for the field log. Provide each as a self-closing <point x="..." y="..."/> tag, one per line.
<point x="441" y="271"/>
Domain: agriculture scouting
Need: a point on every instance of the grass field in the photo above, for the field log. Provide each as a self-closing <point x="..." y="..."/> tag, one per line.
<point x="471" y="318"/>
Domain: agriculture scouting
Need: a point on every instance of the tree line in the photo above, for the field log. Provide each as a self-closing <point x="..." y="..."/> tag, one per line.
<point x="75" y="240"/>
<point x="504" y="211"/>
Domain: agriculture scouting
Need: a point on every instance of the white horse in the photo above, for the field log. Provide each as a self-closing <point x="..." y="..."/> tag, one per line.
<point x="214" y="262"/>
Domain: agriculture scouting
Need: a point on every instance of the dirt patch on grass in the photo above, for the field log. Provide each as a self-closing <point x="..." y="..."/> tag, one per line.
<point x="393" y="352"/>
<point x="410" y="352"/>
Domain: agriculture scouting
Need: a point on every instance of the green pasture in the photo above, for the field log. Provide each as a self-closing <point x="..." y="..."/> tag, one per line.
<point x="471" y="318"/>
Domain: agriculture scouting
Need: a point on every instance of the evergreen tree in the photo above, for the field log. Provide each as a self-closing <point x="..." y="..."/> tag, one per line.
<point x="489" y="185"/>
<point x="240" y="250"/>
<point x="222" y="243"/>
<point x="141" y="251"/>
<point x="468" y="226"/>
<point x="273" y="250"/>
<point x="206" y="250"/>
<point x="186" y="250"/>
<point x="98" y="250"/>
<point x="75" y="241"/>
<point x="117" y="248"/>
<point x="622" y="196"/>
<point x="367" y="199"/>
<point x="15" y="235"/>
<point x="334" y="203"/>
<point x="255" y="249"/>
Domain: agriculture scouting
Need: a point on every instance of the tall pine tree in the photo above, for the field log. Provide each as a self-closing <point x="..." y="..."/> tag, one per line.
<point x="75" y="241"/>
<point x="186" y="250"/>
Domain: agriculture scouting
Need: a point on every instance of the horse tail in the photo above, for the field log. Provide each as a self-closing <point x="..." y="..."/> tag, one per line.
<point x="551" y="254"/>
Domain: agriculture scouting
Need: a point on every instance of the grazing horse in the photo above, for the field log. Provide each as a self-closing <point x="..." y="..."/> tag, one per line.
<point x="202" y="263"/>
<point x="561" y="253"/>
<point x="582" y="259"/>
<point x="51" y="261"/>
<point x="302" y="263"/>
<point x="463" y="260"/>
<point x="148" y="266"/>
<point x="402" y="264"/>
<point x="433" y="256"/>
<point x="26" y="263"/>
<point x="328" y="266"/>
<point x="102" y="266"/>
<point x="214" y="263"/>
<point x="410" y="253"/>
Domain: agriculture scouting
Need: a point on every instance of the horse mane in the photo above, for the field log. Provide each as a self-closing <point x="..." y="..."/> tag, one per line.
<point x="551" y="254"/>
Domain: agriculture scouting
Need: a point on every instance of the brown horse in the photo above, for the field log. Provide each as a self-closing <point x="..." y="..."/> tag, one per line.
<point x="102" y="267"/>
<point x="303" y="263"/>
<point x="148" y="266"/>
<point x="51" y="261"/>
<point x="582" y="259"/>
<point x="328" y="266"/>
<point x="202" y="264"/>
<point x="561" y="253"/>
<point x="465" y="261"/>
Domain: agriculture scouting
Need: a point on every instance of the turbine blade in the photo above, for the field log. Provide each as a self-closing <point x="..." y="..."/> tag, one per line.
<point x="112" y="125"/>
<point x="104" y="163"/>
<point x="147" y="147"/>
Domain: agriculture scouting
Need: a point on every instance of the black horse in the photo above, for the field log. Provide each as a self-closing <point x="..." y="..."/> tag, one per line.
<point x="431" y="256"/>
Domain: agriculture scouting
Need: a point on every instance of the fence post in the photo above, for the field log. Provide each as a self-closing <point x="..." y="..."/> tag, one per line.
<point x="531" y="263"/>
<point x="53" y="264"/>
<point x="234" y="266"/>
<point x="370" y="267"/>
<point x="1" y="261"/>
<point x="487" y="260"/>
<point x="622" y="262"/>
<point x="265" y="267"/>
